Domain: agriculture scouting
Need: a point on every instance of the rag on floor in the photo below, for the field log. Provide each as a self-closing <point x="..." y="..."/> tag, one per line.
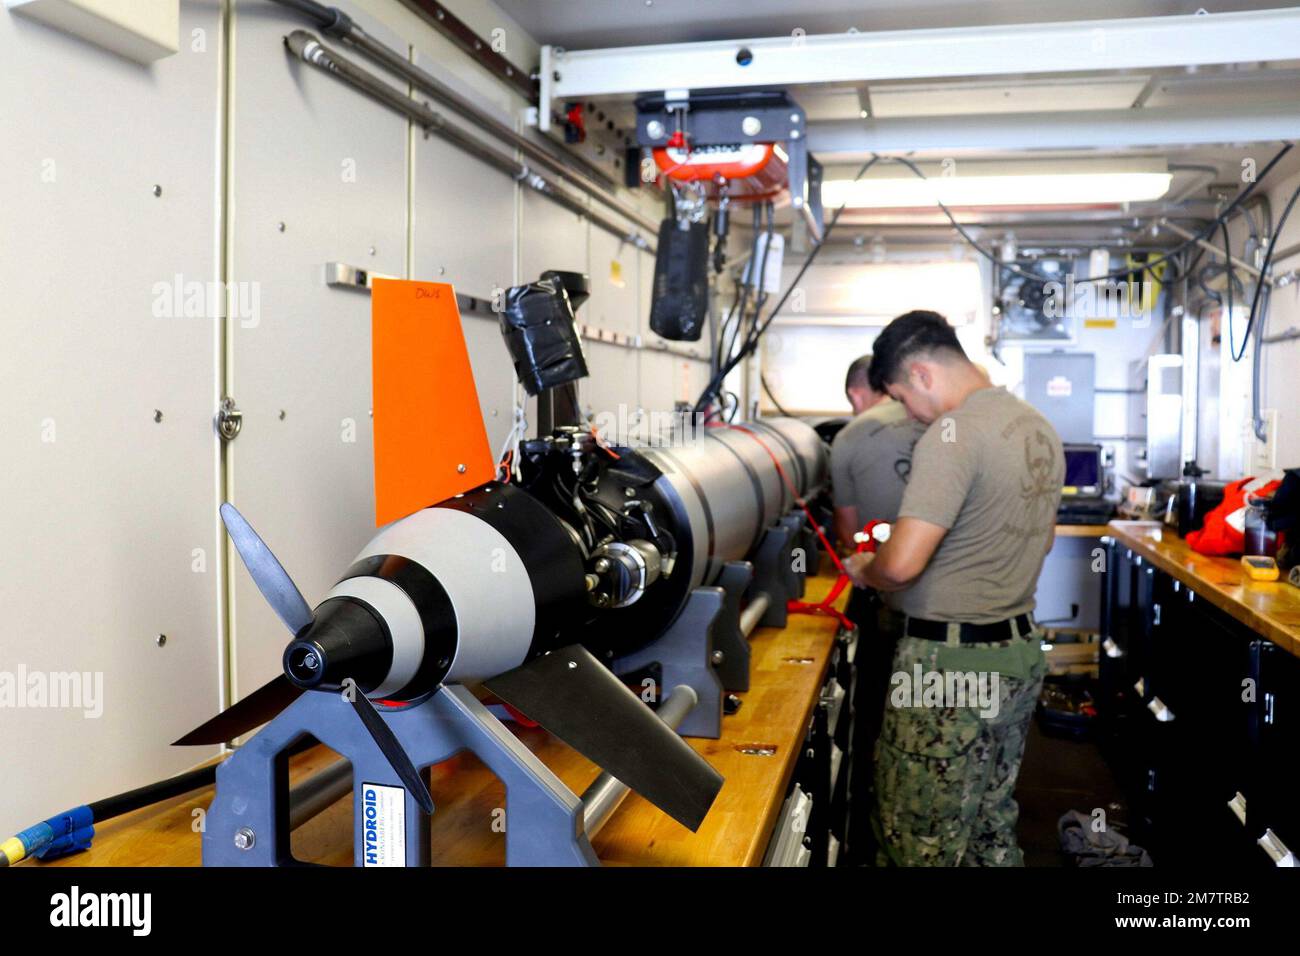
<point x="1087" y="846"/>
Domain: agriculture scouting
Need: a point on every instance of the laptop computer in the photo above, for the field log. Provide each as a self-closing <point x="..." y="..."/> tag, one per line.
<point x="1083" y="496"/>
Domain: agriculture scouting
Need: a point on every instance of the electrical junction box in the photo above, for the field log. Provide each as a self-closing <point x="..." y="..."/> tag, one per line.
<point x="141" y="30"/>
<point x="1061" y="385"/>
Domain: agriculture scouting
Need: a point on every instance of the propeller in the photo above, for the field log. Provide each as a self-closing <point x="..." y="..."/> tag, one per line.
<point x="249" y="712"/>
<point x="267" y="572"/>
<point x="268" y="700"/>
<point x="576" y="698"/>
<point x="388" y="743"/>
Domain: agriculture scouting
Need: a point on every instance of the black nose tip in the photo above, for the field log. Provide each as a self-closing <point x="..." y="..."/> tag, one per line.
<point x="345" y="640"/>
<point x="305" y="663"/>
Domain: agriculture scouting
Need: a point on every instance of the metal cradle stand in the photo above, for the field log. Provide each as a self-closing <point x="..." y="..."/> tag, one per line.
<point x="707" y="646"/>
<point x="248" y="822"/>
<point x="775" y="568"/>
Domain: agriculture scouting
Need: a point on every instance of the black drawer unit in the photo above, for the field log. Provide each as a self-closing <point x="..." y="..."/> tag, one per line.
<point x="1199" y="695"/>
<point x="1273" y="803"/>
<point x="824" y="769"/>
<point x="1121" y="612"/>
<point x="1201" y="721"/>
<point x="1127" y="734"/>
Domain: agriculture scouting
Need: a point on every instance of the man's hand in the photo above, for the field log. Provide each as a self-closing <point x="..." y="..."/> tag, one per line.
<point x="900" y="560"/>
<point x="855" y="566"/>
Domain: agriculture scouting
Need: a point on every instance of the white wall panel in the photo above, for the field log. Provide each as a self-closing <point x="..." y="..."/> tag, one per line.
<point x="330" y="164"/>
<point x="108" y="516"/>
<point x="464" y="222"/>
<point x="611" y="388"/>
<point x="550" y="237"/>
<point x="494" y="375"/>
<point x="666" y="378"/>
<point x="614" y="283"/>
<point x="464" y="233"/>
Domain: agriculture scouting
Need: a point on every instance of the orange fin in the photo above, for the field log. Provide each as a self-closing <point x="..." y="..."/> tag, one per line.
<point x="430" y="440"/>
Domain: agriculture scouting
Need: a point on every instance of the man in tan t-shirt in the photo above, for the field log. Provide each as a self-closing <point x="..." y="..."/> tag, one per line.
<point x="963" y="560"/>
<point x="871" y="458"/>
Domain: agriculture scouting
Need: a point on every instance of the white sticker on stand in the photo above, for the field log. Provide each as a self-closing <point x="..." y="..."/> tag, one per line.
<point x="383" y="841"/>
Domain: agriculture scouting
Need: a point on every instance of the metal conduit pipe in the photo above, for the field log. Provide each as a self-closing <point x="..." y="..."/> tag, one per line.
<point x="313" y="52"/>
<point x="427" y="83"/>
<point x="1214" y="250"/>
<point x="335" y="23"/>
<point x="606" y="793"/>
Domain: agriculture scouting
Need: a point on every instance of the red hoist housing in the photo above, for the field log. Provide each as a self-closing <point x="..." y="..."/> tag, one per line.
<point x="752" y="171"/>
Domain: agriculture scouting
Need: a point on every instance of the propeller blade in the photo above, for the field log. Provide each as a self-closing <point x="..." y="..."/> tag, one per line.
<point x="392" y="749"/>
<point x="573" y="696"/>
<point x="239" y="718"/>
<point x="268" y="574"/>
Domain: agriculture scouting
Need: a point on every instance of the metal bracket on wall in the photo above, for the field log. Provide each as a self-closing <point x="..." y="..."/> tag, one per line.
<point x="340" y="275"/>
<point x="593" y="334"/>
<point x="229" y="419"/>
<point x="485" y="52"/>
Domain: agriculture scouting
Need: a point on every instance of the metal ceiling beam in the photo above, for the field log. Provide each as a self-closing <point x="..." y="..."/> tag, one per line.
<point x="1134" y="43"/>
<point x="1069" y="129"/>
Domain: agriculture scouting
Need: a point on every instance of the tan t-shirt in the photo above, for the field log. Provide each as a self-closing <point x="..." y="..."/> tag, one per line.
<point x="990" y="471"/>
<point x="871" y="458"/>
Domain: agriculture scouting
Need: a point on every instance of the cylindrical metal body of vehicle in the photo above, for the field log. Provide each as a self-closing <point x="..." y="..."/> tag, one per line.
<point x="718" y="491"/>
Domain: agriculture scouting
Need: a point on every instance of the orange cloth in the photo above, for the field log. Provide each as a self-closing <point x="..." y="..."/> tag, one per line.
<point x="1217" y="536"/>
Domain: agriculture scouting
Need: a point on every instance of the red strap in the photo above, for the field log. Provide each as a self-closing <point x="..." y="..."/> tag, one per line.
<point x="794" y="492"/>
<point x="823" y="606"/>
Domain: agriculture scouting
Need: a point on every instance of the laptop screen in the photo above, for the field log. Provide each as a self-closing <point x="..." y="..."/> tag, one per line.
<point x="1082" y="471"/>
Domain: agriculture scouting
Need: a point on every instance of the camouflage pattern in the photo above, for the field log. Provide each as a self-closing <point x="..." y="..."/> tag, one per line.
<point x="945" y="775"/>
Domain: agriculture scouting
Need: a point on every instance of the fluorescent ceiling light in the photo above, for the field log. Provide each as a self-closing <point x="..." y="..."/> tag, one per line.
<point x="974" y="183"/>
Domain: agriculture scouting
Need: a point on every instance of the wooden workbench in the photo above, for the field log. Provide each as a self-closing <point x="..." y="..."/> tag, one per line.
<point x="1271" y="608"/>
<point x="788" y="668"/>
<point x="1081" y="530"/>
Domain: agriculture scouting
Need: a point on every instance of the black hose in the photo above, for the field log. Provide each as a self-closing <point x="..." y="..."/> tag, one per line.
<point x="1263" y="272"/>
<point x="331" y="20"/>
<point x="121" y="803"/>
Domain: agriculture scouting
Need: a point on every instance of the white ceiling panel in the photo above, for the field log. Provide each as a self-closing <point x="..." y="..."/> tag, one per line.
<point x="1024" y="96"/>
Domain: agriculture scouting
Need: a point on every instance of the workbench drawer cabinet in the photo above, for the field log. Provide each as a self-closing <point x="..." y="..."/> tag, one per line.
<point x="824" y="768"/>
<point x="1199" y="720"/>
<point x="1196" y="726"/>
<point x="1273" y="803"/>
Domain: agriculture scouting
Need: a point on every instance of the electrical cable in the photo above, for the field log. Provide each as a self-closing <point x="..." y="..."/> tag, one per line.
<point x="1171" y="255"/>
<point x="1227" y="261"/>
<point x="752" y="341"/>
<point x="1263" y="271"/>
<point x="772" y="395"/>
<point x="1258" y="321"/>
<point x="1205" y="231"/>
<point x="761" y="289"/>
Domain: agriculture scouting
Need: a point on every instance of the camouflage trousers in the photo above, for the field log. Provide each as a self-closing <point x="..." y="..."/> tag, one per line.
<point x="949" y="751"/>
